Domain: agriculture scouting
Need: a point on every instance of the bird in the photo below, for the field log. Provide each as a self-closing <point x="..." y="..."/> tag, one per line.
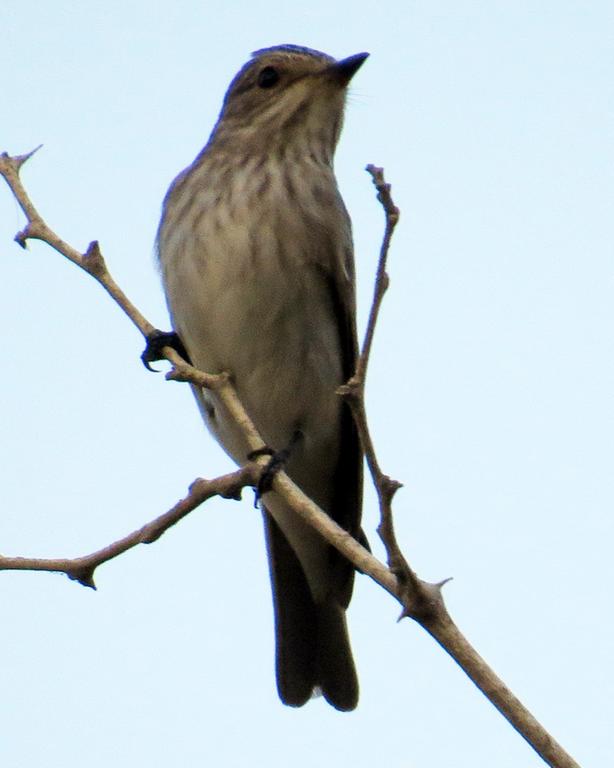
<point x="256" y="256"/>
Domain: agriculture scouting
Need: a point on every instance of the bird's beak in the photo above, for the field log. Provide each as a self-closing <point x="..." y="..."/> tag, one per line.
<point x="343" y="71"/>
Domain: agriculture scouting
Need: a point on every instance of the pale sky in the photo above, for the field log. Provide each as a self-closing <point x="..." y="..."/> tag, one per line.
<point x="490" y="389"/>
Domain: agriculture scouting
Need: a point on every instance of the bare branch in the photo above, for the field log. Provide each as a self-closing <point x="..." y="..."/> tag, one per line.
<point x="420" y="600"/>
<point x="354" y="393"/>
<point x="36" y="228"/>
<point x="381" y="279"/>
<point x="447" y="634"/>
<point x="225" y="391"/>
<point x="82" y="569"/>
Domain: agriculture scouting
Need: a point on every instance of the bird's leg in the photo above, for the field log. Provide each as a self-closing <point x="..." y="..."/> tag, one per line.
<point x="156" y="341"/>
<point x="276" y="463"/>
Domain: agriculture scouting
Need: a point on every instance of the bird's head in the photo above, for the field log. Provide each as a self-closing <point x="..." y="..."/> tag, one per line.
<point x="287" y="97"/>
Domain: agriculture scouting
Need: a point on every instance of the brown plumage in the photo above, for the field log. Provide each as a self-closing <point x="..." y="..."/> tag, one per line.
<point x="256" y="252"/>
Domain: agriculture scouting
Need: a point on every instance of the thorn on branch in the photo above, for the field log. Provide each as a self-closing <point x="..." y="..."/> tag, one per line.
<point x="234" y="494"/>
<point x="352" y="390"/>
<point x="14" y="162"/>
<point x="178" y="372"/>
<point x="199" y="483"/>
<point x="93" y="260"/>
<point x="21" y="238"/>
<point x="32" y="231"/>
<point x="383" y="194"/>
<point x="422" y="601"/>
<point x="183" y="372"/>
<point x="389" y="487"/>
<point x="20" y="160"/>
<point x="84" y="575"/>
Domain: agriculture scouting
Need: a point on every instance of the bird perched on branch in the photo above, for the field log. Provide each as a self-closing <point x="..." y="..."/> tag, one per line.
<point x="256" y="252"/>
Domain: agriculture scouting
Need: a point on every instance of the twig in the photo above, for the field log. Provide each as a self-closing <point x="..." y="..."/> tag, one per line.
<point x="354" y="393"/>
<point x="82" y="569"/>
<point x="91" y="261"/>
<point x="381" y="279"/>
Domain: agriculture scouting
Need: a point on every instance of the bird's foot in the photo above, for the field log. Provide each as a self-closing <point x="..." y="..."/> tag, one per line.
<point x="156" y="341"/>
<point x="276" y="464"/>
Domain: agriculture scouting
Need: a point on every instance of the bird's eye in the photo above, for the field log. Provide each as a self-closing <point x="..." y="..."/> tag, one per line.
<point x="267" y="77"/>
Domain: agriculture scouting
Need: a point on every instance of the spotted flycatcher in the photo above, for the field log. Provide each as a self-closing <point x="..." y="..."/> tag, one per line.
<point x="256" y="251"/>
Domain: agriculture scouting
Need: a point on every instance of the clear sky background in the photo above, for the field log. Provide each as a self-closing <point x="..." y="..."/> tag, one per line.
<point x="490" y="392"/>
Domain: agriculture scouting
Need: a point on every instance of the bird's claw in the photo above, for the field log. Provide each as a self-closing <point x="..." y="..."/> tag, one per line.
<point x="155" y="343"/>
<point x="275" y="464"/>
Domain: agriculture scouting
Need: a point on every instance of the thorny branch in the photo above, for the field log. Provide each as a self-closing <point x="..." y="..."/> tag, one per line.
<point x="420" y="600"/>
<point x="354" y="392"/>
<point x="82" y="569"/>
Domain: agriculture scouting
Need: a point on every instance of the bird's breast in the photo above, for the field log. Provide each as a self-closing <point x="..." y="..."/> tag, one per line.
<point x="247" y="277"/>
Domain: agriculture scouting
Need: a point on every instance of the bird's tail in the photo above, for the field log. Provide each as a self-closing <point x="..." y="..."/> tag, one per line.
<point x="312" y="645"/>
<point x="335" y="670"/>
